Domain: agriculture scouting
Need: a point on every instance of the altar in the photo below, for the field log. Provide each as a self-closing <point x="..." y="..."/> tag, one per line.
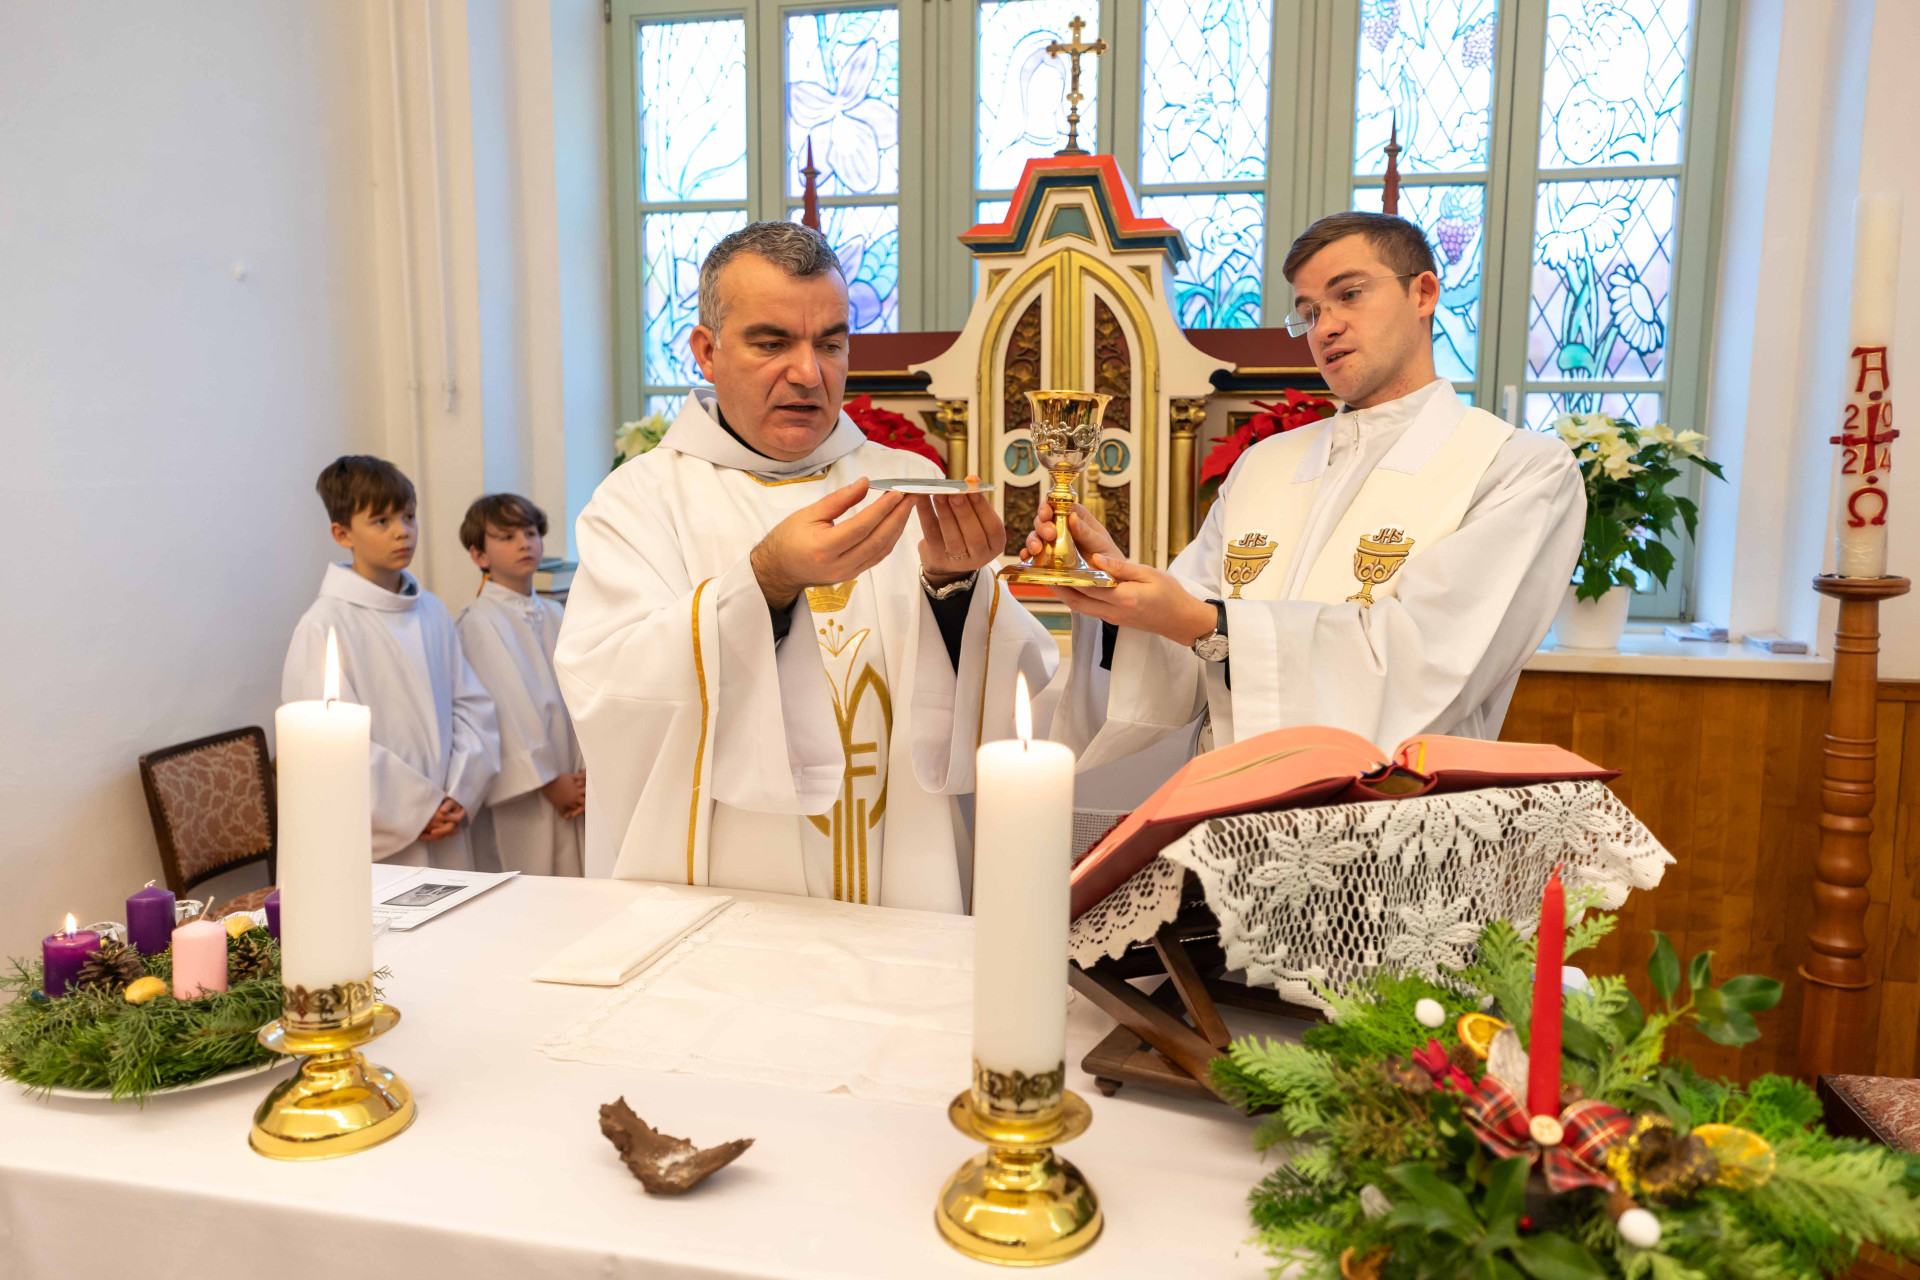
<point x="505" y="1172"/>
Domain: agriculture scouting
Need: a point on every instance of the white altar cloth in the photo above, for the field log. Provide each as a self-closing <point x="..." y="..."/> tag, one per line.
<point x="505" y="1173"/>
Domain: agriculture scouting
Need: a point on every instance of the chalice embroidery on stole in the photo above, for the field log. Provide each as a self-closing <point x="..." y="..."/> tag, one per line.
<point x="862" y="801"/>
<point x="1246" y="556"/>
<point x="1377" y="559"/>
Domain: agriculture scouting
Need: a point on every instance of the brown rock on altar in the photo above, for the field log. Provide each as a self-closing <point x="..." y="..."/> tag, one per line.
<point x="665" y="1165"/>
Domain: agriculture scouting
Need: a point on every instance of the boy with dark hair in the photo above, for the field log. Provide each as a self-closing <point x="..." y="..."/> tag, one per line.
<point x="533" y="821"/>
<point x="435" y="745"/>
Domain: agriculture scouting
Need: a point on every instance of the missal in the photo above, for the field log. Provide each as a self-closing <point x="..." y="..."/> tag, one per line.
<point x="1311" y="765"/>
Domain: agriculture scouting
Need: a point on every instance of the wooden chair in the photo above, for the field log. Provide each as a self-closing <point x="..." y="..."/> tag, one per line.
<point x="212" y="805"/>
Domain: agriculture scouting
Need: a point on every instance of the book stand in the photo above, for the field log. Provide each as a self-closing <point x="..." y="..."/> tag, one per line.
<point x="1166" y="1040"/>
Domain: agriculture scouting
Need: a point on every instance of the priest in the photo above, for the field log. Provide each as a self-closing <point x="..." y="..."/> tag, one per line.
<point x="1386" y="571"/>
<point x="774" y="689"/>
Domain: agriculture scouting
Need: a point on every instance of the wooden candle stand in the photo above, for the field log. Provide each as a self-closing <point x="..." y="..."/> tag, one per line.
<point x="1836" y="1026"/>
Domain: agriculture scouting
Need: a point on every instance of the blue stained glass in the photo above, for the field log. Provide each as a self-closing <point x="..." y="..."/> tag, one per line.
<point x="866" y="238"/>
<point x="667" y="407"/>
<point x="843" y="93"/>
<point x="1642" y="408"/>
<point x="672" y="247"/>
<point x="1454" y="218"/>
<point x="1602" y="271"/>
<point x="1615" y="82"/>
<point x="1023" y="91"/>
<point x="1204" y="90"/>
<point x="693" y="110"/>
<point x="1218" y="286"/>
<point x="1428" y="64"/>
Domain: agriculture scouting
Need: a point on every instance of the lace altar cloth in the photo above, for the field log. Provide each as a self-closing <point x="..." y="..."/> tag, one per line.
<point x="1322" y="896"/>
<point x="817" y="996"/>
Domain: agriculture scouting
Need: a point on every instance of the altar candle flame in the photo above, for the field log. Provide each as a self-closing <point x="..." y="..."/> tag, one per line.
<point x="73" y="926"/>
<point x="1022" y="710"/>
<point x="331" y="691"/>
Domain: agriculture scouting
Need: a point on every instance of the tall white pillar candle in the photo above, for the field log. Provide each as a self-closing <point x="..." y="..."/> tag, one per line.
<point x="326" y="838"/>
<point x="1866" y="422"/>
<point x="1023" y="861"/>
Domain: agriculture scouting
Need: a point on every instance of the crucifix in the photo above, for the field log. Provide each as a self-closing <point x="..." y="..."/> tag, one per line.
<point x="1073" y="49"/>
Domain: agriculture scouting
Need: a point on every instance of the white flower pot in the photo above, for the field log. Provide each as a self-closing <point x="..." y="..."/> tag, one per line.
<point x="1592" y="625"/>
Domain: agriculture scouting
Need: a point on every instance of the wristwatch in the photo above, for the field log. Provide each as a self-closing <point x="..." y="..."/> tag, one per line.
<point x="1212" y="647"/>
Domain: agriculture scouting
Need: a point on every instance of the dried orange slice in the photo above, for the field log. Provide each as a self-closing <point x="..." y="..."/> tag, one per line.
<point x="1477" y="1031"/>
<point x="1745" y="1159"/>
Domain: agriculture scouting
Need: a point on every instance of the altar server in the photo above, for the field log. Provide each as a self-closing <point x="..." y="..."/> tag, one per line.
<point x="1386" y="571"/>
<point x="773" y="691"/>
<point x="532" y="821"/>
<point x="435" y="745"/>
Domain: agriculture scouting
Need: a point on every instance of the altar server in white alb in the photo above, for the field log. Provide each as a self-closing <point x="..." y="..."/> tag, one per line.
<point x="532" y="821"/>
<point x="773" y="689"/>
<point x="435" y="744"/>
<point x="1386" y="571"/>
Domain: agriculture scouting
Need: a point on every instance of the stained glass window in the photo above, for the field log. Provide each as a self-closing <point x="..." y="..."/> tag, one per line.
<point x="1454" y="218"/>
<point x="866" y="237"/>
<point x="667" y="407"/>
<point x="1543" y="407"/>
<point x="1218" y="286"/>
<point x="693" y="110"/>
<point x="1204" y="90"/>
<point x="1603" y="267"/>
<point x="1614" y="91"/>
<point x="672" y="247"/>
<point x="991" y="210"/>
<point x="1428" y="64"/>
<point x="843" y="94"/>
<point x="1023" y="91"/>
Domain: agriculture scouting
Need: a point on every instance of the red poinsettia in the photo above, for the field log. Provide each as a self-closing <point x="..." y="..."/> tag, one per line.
<point x="1301" y="407"/>
<point x="884" y="426"/>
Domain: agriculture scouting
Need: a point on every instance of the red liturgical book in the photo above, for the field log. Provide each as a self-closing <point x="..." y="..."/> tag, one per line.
<point x="1312" y="765"/>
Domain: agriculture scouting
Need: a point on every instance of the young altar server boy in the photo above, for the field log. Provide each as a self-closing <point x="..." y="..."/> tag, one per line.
<point x="435" y="745"/>
<point x="532" y="820"/>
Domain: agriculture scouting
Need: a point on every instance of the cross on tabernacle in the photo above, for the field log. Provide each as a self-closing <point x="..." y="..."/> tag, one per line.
<point x="1073" y="49"/>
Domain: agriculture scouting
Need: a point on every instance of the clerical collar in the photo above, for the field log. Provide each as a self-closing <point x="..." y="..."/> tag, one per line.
<point x="1394" y="413"/>
<point x="699" y="432"/>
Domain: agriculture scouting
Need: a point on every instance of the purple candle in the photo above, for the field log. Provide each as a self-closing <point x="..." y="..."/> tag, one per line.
<point x="273" y="914"/>
<point x="150" y="920"/>
<point x="64" y="953"/>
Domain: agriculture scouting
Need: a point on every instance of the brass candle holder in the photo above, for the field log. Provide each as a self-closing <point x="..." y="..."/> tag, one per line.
<point x="1018" y="1204"/>
<point x="1066" y="432"/>
<point x="338" y="1102"/>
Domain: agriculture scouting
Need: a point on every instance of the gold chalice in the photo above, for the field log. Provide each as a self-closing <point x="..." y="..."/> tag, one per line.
<point x="1246" y="556"/>
<point x="1377" y="559"/>
<point x="1066" y="431"/>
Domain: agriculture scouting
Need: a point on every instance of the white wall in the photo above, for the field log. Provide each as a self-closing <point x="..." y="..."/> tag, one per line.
<point x="162" y="422"/>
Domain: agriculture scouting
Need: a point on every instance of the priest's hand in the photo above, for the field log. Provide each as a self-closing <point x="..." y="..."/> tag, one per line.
<point x="445" y="820"/>
<point x="1143" y="598"/>
<point x="808" y="549"/>
<point x="1089" y="535"/>
<point x="959" y="535"/>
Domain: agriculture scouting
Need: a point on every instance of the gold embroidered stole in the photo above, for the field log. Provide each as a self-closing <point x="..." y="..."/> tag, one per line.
<point x="848" y="836"/>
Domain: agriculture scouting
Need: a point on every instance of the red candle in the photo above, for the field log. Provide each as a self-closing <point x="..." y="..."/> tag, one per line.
<point x="1543" y="1054"/>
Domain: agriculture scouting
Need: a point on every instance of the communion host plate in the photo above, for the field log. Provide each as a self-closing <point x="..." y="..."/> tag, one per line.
<point x="915" y="484"/>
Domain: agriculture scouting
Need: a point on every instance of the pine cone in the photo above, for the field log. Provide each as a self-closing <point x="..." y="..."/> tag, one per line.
<point x="249" y="955"/>
<point x="110" y="968"/>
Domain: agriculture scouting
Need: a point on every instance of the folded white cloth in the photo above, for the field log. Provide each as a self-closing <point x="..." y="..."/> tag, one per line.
<point x="632" y="940"/>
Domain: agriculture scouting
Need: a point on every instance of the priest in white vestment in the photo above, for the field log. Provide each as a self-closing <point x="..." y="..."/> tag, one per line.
<point x="1386" y="571"/>
<point x="773" y="689"/>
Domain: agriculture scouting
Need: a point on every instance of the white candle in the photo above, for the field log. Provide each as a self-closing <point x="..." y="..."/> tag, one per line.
<point x="1866" y="422"/>
<point x="326" y="838"/>
<point x="1023" y="859"/>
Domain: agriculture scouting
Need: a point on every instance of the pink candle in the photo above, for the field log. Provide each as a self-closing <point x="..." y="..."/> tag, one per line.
<point x="199" y="959"/>
<point x="63" y="953"/>
<point x="1543" y="1051"/>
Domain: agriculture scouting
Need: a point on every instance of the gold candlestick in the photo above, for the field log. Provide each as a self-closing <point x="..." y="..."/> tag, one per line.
<point x="1066" y="431"/>
<point x="338" y="1102"/>
<point x="1018" y="1204"/>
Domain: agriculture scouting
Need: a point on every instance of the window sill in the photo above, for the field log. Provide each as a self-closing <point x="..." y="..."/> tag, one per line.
<point x="1647" y="651"/>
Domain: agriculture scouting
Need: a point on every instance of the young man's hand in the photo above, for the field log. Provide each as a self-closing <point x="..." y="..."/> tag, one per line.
<point x="568" y="793"/>
<point x="1090" y="537"/>
<point x="1143" y="598"/>
<point x="808" y="549"/>
<point x="445" y="820"/>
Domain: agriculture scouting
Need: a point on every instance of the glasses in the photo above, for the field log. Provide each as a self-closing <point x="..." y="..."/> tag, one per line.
<point x="1301" y="320"/>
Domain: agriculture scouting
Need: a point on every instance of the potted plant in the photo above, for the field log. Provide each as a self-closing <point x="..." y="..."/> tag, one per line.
<point x="636" y="438"/>
<point x="1627" y="470"/>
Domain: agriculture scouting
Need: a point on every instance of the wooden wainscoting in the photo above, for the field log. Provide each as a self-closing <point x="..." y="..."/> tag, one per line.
<point x="1727" y="774"/>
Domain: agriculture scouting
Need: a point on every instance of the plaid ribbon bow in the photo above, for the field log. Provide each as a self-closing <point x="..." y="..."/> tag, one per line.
<point x="1589" y="1127"/>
